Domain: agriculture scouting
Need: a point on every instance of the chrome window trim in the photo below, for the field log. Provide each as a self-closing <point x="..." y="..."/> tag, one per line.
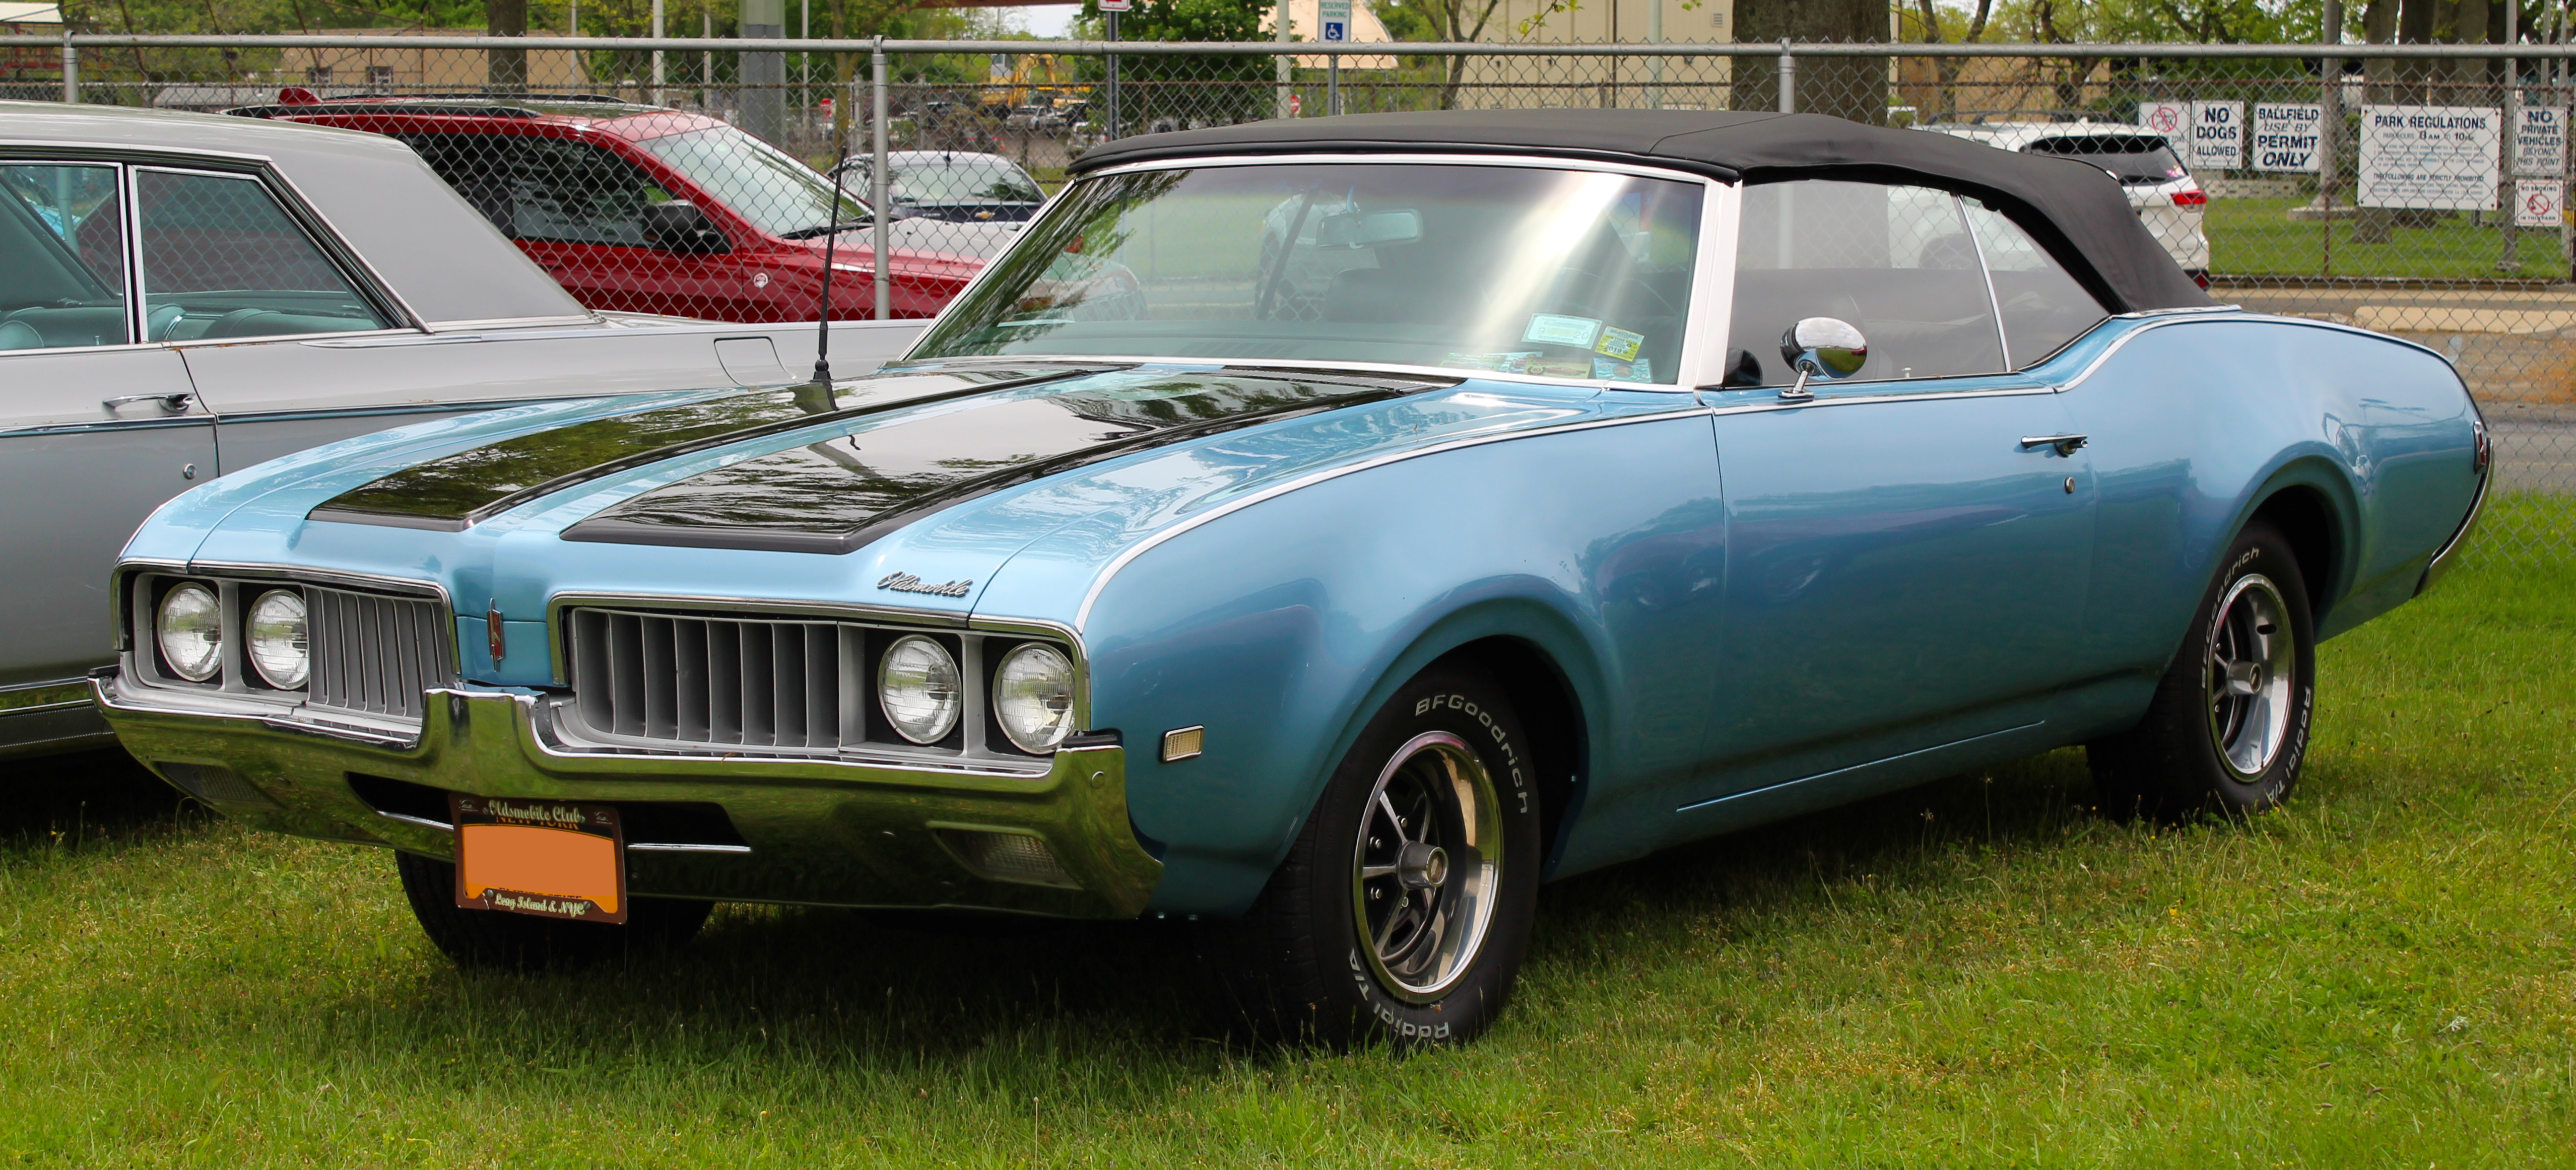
<point x="1435" y="156"/>
<point x="516" y="322"/>
<point x="1100" y="582"/>
<point x="1438" y="373"/>
<point x="1693" y="320"/>
<point x="317" y="230"/>
<point x="1986" y="275"/>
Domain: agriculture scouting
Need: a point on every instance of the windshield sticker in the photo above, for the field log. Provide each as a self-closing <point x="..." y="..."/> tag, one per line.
<point x="1514" y="362"/>
<point x="1619" y="343"/>
<point x="1610" y="371"/>
<point x="1551" y="329"/>
<point x="1559" y="369"/>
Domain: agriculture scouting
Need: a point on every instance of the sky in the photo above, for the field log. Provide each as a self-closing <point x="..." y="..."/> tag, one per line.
<point x="1046" y="20"/>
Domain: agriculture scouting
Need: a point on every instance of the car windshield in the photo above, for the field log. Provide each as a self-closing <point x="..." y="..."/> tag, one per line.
<point x="2134" y="159"/>
<point x="778" y="194"/>
<point x="963" y="181"/>
<point x="1557" y="273"/>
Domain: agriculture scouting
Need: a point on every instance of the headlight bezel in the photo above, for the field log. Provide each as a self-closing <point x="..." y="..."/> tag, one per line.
<point x="998" y="673"/>
<point x="303" y="642"/>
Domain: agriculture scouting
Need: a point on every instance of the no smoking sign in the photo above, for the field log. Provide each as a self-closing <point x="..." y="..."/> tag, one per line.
<point x="2539" y="203"/>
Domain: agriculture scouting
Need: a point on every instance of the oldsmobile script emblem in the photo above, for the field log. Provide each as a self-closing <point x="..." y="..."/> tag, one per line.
<point x="907" y="583"/>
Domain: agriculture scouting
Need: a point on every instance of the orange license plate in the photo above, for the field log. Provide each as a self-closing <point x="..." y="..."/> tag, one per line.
<point x="539" y="857"/>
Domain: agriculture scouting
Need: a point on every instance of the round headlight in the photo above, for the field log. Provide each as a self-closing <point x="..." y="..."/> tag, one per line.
<point x="1033" y="697"/>
<point x="917" y="684"/>
<point x="191" y="628"/>
<point x="277" y="645"/>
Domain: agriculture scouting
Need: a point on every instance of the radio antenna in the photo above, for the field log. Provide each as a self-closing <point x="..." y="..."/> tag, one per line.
<point x="831" y="240"/>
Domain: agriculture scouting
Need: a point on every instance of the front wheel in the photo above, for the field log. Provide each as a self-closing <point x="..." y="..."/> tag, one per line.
<point x="2227" y="731"/>
<point x="1404" y="907"/>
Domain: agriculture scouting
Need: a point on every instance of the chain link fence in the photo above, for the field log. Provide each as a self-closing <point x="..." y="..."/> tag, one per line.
<point x="2416" y="190"/>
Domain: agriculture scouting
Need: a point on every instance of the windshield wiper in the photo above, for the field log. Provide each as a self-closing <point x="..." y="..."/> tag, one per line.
<point x="807" y="233"/>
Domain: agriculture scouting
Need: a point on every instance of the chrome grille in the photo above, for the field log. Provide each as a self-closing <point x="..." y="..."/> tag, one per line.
<point x="374" y="653"/>
<point x="748" y="681"/>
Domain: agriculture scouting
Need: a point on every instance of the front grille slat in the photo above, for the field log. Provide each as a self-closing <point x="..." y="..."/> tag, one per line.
<point x="759" y="701"/>
<point x="724" y="682"/>
<point x="375" y="654"/>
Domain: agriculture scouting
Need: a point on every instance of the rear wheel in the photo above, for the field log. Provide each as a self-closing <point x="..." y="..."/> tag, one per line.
<point x="524" y="942"/>
<point x="1404" y="907"/>
<point x="2227" y="731"/>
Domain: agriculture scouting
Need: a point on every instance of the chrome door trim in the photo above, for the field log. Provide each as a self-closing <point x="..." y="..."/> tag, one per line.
<point x="1770" y="404"/>
<point x="1082" y="614"/>
<point x="27" y="698"/>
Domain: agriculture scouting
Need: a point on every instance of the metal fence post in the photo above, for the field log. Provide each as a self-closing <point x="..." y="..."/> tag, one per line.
<point x="71" y="67"/>
<point x="1110" y="129"/>
<point x="1788" y="79"/>
<point x="657" y="54"/>
<point x="877" y="182"/>
<point x="1279" y="62"/>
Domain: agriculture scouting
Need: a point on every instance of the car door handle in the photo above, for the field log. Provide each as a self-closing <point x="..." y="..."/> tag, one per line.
<point x="171" y="403"/>
<point x="2065" y="444"/>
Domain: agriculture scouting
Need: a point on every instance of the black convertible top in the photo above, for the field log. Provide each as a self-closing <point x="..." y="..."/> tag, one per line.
<point x="2073" y="208"/>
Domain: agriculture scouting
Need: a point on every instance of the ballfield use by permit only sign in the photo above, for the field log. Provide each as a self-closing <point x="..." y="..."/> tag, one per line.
<point x="2429" y="157"/>
<point x="2287" y="136"/>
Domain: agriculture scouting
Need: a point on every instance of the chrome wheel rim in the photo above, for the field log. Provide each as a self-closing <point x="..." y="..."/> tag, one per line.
<point x="2249" y="673"/>
<point x="1426" y="866"/>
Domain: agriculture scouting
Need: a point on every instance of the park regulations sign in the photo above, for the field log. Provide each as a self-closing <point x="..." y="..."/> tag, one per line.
<point x="2287" y="136"/>
<point x="2433" y="157"/>
<point x="2540" y="141"/>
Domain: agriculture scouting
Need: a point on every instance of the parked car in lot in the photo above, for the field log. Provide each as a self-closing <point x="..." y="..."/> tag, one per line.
<point x="952" y="201"/>
<point x="2151" y="173"/>
<point x="1335" y="616"/>
<point x="649" y="210"/>
<point x="186" y="295"/>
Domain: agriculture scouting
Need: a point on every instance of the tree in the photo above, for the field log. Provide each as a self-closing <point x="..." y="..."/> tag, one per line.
<point x="1926" y="22"/>
<point x="506" y="70"/>
<point x="1845" y="87"/>
<point x="1180" y="90"/>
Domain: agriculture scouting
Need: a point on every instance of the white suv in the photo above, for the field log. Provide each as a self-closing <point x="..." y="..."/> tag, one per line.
<point x="2167" y="199"/>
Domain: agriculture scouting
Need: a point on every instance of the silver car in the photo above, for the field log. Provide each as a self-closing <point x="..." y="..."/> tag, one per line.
<point x="184" y="295"/>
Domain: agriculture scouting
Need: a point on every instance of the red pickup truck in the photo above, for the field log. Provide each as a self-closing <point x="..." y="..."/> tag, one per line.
<point x="643" y="209"/>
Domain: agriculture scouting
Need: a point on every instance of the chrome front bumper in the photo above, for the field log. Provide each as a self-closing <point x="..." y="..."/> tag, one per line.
<point x="811" y="830"/>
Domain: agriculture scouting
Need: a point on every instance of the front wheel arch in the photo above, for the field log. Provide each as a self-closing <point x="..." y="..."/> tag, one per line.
<point x="1540" y="658"/>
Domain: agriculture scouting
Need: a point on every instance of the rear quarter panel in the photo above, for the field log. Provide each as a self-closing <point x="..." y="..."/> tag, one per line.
<point x="2197" y="422"/>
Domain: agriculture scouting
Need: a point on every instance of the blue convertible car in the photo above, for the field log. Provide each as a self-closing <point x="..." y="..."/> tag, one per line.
<point x="1328" y="530"/>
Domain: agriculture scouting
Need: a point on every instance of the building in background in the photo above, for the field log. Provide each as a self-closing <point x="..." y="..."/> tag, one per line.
<point x="24" y="69"/>
<point x="395" y="70"/>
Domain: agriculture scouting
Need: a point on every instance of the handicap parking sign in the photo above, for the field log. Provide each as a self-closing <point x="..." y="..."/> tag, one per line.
<point x="1333" y="30"/>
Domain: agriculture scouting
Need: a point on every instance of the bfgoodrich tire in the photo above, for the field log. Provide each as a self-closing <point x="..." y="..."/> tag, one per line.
<point x="2228" y="730"/>
<point x="522" y="942"/>
<point x="1404" y="907"/>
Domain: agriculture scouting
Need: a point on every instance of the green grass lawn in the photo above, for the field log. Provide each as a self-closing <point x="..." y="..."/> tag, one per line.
<point x="2256" y="237"/>
<point x="1976" y="973"/>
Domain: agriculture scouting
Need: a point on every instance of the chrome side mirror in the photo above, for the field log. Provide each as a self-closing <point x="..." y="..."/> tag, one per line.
<point x="1823" y="348"/>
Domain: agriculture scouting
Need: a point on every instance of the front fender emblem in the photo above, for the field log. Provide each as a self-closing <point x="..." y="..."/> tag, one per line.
<point x="907" y="583"/>
<point x="493" y="631"/>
